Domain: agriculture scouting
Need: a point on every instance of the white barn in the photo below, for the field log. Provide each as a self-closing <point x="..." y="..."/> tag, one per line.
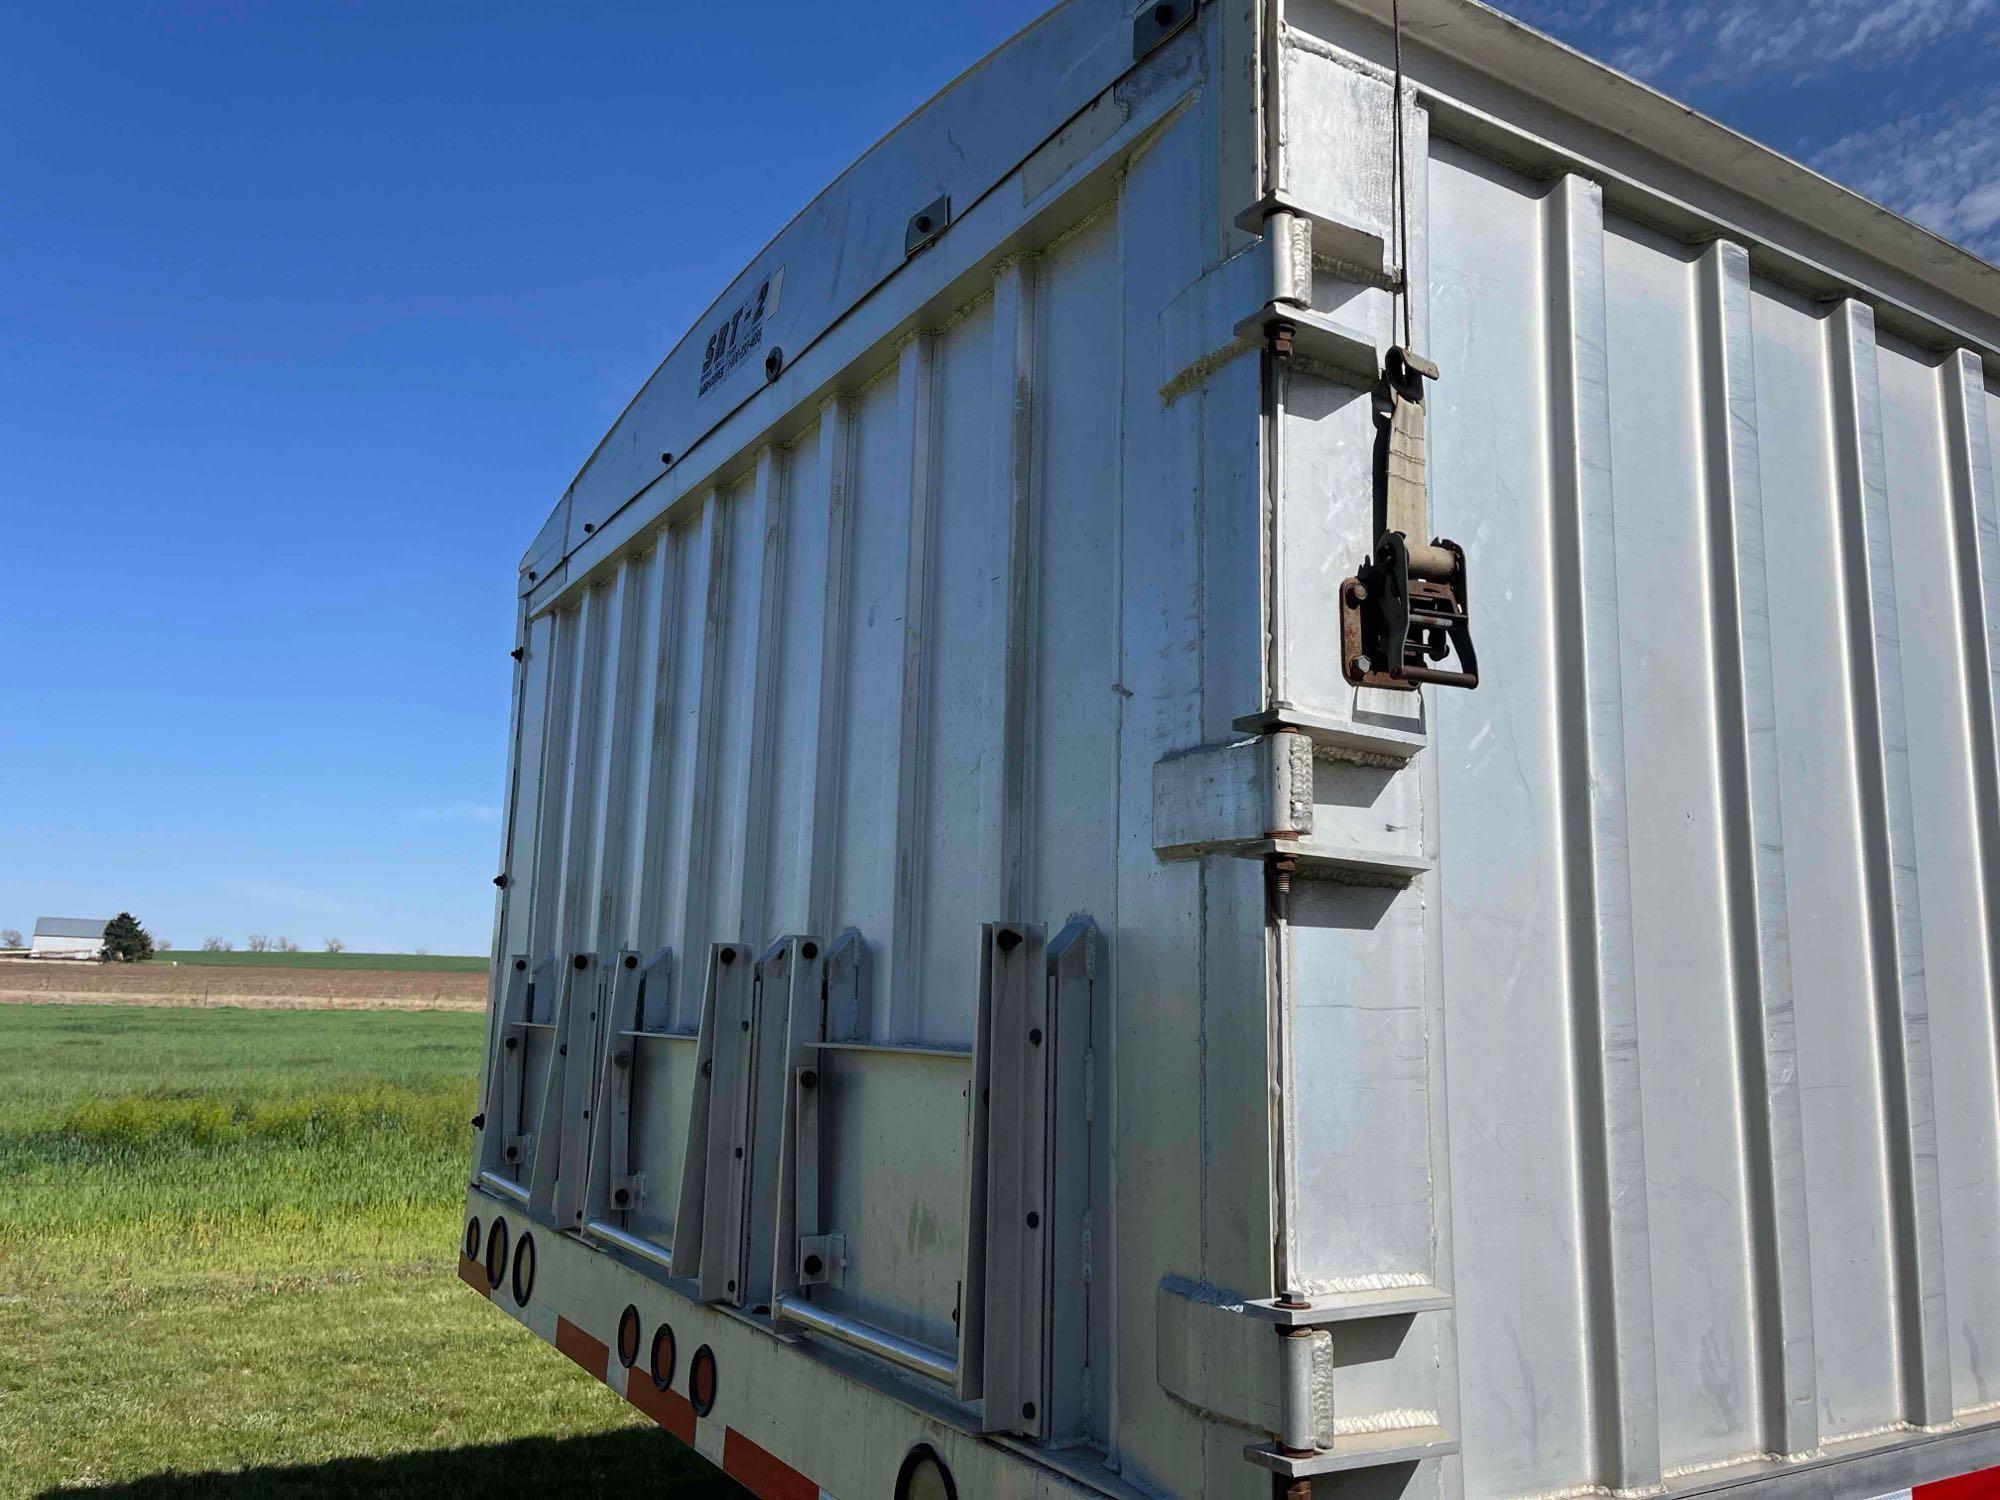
<point x="68" y="937"/>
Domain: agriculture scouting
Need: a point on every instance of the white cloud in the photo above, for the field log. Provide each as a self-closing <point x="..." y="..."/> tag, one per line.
<point x="1940" y="167"/>
<point x="1685" y="45"/>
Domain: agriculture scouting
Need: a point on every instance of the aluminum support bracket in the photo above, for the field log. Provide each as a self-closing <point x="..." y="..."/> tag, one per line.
<point x="1226" y="798"/>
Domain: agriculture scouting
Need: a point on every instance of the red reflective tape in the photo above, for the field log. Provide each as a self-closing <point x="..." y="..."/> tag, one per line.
<point x="473" y="1274"/>
<point x="1985" y="1485"/>
<point x="592" y="1354"/>
<point x="764" y="1476"/>
<point x="669" y="1408"/>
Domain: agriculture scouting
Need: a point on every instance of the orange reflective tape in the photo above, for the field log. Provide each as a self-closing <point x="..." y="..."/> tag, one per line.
<point x="473" y="1274"/>
<point x="669" y="1408"/>
<point x="766" y="1477"/>
<point x="592" y="1354"/>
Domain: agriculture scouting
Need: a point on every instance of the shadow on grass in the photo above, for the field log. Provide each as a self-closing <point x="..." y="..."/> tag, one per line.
<point x="600" y="1464"/>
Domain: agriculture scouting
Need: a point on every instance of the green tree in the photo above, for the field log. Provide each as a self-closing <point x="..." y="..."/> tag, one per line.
<point x="126" y="941"/>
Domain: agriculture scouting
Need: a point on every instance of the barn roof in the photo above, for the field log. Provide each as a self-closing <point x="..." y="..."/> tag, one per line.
<point x="71" y="927"/>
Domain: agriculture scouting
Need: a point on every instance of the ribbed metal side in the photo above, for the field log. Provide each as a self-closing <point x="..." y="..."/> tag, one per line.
<point x="826" y="699"/>
<point x="1719" y="857"/>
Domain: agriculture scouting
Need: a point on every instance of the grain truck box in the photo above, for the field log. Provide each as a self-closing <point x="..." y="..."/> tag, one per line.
<point x="1229" y="789"/>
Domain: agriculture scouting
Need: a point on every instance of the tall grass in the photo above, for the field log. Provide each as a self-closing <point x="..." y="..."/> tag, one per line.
<point x="226" y="1246"/>
<point x="178" y="1122"/>
<point x="272" y="1151"/>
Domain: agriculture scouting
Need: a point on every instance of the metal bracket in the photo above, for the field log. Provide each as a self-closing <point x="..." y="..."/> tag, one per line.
<point x="798" y="1201"/>
<point x="1155" y="23"/>
<point x="926" y="224"/>
<point x="690" y="1217"/>
<point x="1233" y="797"/>
<point x="557" y="1164"/>
<point x="654" y="1010"/>
<point x="1078" y="1170"/>
<point x="1337" y="349"/>
<point x="844" y="990"/>
<point x="822" y="1260"/>
<point x="611" y="1180"/>
<point x="731" y="1023"/>
<point x="1355" y="249"/>
<point x="1275" y="1366"/>
<point x="576" y="1062"/>
<point x="823" y="984"/>
<point x="1012" y="1076"/>
<point x="502" y="1147"/>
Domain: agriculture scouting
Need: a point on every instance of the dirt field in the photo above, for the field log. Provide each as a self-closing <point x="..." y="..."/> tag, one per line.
<point x="29" y="982"/>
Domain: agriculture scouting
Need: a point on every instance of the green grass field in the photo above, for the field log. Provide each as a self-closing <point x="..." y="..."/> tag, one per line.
<point x="228" y="1242"/>
<point x="426" y="963"/>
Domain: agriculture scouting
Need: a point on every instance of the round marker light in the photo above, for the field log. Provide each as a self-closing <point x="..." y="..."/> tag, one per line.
<point x="524" y="1270"/>
<point x="496" y="1252"/>
<point x="924" y="1476"/>
<point x="665" y="1356"/>
<point x="702" y="1381"/>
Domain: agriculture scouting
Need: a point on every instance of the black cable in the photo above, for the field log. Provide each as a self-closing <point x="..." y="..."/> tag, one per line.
<point x="1402" y="198"/>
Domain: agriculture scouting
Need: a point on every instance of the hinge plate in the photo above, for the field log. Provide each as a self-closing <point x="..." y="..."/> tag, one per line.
<point x="926" y="224"/>
<point x="1233" y="797"/>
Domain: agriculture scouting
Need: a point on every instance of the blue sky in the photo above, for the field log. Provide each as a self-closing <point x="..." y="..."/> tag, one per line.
<point x="1897" y="98"/>
<point x="313" y="310"/>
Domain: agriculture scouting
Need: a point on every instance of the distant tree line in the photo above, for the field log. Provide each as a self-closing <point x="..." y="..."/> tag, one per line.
<point x="259" y="942"/>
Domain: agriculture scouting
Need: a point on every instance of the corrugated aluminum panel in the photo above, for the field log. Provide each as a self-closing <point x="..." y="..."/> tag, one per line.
<point x="1607" y="1057"/>
<point x="825" y="699"/>
<point x="1718" y="870"/>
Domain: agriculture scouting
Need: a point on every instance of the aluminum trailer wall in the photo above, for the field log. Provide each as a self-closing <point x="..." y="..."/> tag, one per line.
<point x="974" y="980"/>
